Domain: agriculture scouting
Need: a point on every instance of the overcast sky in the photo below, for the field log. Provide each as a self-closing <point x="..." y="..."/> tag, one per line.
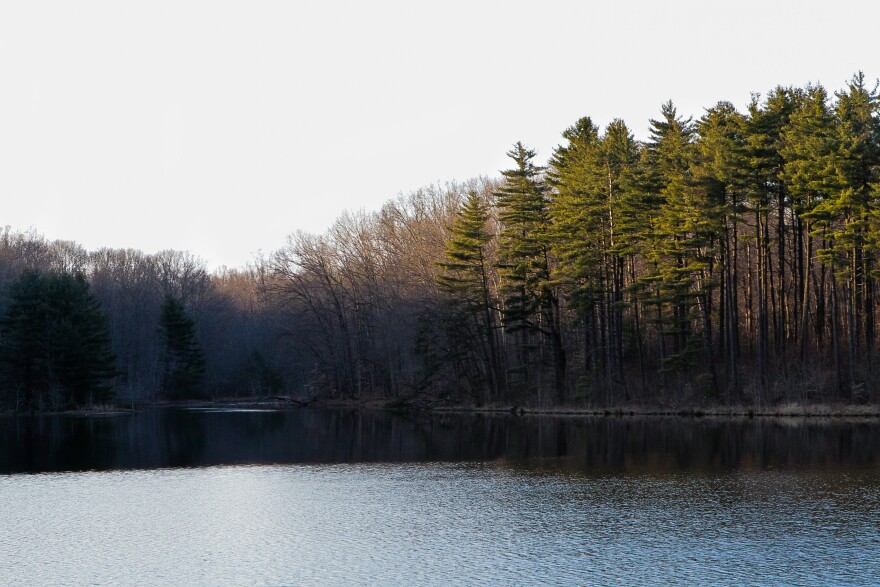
<point x="220" y="127"/>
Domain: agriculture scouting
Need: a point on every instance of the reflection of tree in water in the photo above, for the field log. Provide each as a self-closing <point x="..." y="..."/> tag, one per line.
<point x="185" y="438"/>
<point x="52" y="443"/>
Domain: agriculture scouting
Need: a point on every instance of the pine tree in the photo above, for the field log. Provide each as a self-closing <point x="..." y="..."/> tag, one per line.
<point x="579" y="215"/>
<point x="620" y="154"/>
<point x="26" y="361"/>
<point x="586" y="174"/>
<point x="531" y="303"/>
<point x="183" y="362"/>
<point x="843" y="219"/>
<point x="719" y="170"/>
<point x="809" y="148"/>
<point x="858" y="116"/>
<point x="522" y="246"/>
<point x="84" y="360"/>
<point x="466" y="281"/>
<point x="767" y="191"/>
<point x="674" y="237"/>
<point x="56" y="344"/>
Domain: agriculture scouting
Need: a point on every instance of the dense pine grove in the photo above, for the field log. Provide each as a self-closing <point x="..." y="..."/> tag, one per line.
<point x="55" y="341"/>
<point x="730" y="259"/>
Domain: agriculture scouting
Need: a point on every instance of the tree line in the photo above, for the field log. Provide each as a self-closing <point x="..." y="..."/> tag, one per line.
<point x="80" y="328"/>
<point x="728" y="259"/>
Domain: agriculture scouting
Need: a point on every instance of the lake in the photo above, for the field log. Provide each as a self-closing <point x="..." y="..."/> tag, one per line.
<point x="322" y="497"/>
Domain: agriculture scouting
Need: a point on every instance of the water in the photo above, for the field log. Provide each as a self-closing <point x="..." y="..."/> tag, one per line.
<point x="337" y="498"/>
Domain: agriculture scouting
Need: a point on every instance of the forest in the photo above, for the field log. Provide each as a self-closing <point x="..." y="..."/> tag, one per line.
<point x="731" y="259"/>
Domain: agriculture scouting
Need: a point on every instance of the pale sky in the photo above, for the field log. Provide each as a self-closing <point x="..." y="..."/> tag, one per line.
<point x="220" y="127"/>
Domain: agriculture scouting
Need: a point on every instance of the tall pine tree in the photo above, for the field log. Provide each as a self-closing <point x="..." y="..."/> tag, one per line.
<point x="183" y="362"/>
<point x="531" y="302"/>
<point x="55" y="343"/>
<point x="466" y="280"/>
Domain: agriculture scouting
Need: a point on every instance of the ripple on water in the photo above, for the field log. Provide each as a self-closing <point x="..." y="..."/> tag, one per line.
<point x="437" y="524"/>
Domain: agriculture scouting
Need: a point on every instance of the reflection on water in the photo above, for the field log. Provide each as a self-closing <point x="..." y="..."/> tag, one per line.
<point x="193" y="438"/>
<point x="341" y="498"/>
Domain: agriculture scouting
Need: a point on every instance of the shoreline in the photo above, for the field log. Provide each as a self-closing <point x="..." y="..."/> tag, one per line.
<point x="402" y="405"/>
<point x="788" y="410"/>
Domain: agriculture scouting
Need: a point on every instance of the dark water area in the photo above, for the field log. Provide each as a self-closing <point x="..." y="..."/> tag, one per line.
<point x="163" y="438"/>
<point x="321" y="497"/>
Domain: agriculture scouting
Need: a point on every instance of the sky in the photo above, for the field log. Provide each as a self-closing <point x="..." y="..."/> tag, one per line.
<point x="220" y="127"/>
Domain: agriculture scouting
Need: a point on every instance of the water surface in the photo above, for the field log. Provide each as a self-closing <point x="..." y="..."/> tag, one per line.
<point x="340" y="498"/>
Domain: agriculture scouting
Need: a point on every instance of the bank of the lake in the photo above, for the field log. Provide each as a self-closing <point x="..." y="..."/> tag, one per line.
<point x="796" y="410"/>
<point x="416" y="404"/>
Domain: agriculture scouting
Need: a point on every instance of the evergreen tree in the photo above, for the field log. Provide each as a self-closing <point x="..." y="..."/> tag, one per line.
<point x="522" y="246"/>
<point x="586" y="174"/>
<point x="858" y="116"/>
<point x="531" y="303"/>
<point x="843" y="219"/>
<point x="674" y="237"/>
<point x="810" y="151"/>
<point x="620" y="155"/>
<point x="767" y="191"/>
<point x="579" y="215"/>
<point x="25" y="344"/>
<point x="55" y="341"/>
<point x="183" y="362"/>
<point x="466" y="280"/>
<point x="719" y="171"/>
